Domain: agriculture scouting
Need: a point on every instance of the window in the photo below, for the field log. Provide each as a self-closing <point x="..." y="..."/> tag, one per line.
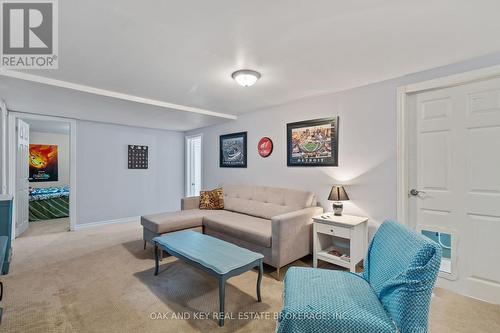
<point x="193" y="165"/>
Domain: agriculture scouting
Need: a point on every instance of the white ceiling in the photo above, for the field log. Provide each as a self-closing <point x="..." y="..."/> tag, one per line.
<point x="27" y="96"/>
<point x="184" y="52"/>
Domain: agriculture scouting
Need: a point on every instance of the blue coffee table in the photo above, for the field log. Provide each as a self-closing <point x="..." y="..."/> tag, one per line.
<point x="216" y="257"/>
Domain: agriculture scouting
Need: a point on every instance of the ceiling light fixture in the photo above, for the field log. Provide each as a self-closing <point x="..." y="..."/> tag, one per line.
<point x="246" y="77"/>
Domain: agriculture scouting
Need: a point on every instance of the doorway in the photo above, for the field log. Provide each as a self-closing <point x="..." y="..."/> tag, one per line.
<point x="41" y="172"/>
<point x="452" y="191"/>
<point x="193" y="164"/>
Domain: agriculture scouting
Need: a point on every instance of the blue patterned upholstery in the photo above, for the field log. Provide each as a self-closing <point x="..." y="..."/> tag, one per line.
<point x="321" y="300"/>
<point x="402" y="267"/>
<point x="392" y="294"/>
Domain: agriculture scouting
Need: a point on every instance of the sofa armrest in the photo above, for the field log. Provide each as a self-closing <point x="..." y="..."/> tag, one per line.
<point x="190" y="203"/>
<point x="292" y="234"/>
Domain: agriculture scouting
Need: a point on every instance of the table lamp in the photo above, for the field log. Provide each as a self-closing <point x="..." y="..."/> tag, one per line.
<point x="337" y="195"/>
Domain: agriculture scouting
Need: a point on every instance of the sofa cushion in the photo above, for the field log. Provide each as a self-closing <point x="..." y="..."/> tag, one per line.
<point x="321" y="300"/>
<point x="248" y="228"/>
<point x="265" y="202"/>
<point x="212" y="199"/>
<point x="174" y="221"/>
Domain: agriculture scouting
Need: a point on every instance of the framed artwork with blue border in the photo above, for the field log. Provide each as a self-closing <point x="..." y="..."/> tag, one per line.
<point x="313" y="142"/>
<point x="233" y="150"/>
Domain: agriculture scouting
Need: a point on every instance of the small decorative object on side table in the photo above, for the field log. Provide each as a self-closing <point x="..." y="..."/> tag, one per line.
<point x="340" y="240"/>
<point x="337" y="195"/>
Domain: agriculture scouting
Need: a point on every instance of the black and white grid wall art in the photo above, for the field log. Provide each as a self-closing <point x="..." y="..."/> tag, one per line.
<point x="137" y="157"/>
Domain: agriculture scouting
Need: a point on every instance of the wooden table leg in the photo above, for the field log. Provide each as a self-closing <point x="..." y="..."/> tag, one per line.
<point x="259" y="279"/>
<point x="222" y="287"/>
<point x="157" y="264"/>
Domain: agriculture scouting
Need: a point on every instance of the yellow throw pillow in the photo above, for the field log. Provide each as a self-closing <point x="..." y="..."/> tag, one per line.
<point x="212" y="199"/>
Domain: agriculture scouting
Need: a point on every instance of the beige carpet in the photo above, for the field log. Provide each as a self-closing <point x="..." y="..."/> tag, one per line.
<point x="47" y="227"/>
<point x="101" y="280"/>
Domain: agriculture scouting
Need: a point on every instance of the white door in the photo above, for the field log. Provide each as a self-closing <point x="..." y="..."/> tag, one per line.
<point x="455" y="177"/>
<point x="22" y="175"/>
<point x="193" y="165"/>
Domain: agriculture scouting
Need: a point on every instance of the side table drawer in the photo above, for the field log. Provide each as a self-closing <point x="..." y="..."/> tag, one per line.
<point x="333" y="230"/>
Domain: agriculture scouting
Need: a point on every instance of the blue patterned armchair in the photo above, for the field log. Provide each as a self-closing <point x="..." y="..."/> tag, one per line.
<point x="393" y="293"/>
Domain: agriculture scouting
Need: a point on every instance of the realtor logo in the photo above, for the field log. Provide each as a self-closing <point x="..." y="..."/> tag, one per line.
<point x="29" y="34"/>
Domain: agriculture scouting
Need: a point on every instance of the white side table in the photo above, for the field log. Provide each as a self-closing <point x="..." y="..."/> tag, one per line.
<point x="346" y="234"/>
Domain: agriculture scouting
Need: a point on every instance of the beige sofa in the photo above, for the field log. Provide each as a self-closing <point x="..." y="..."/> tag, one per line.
<point x="273" y="221"/>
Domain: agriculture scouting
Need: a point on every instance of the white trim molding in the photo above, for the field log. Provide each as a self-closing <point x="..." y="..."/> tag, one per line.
<point x="83" y="226"/>
<point x="402" y="157"/>
<point x="402" y="124"/>
<point x="112" y="94"/>
<point x="455" y="80"/>
<point x="186" y="139"/>
<point x="12" y="151"/>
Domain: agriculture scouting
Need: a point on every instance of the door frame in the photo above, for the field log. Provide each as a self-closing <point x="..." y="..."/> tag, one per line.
<point x="186" y="140"/>
<point x="403" y="123"/>
<point x="11" y="153"/>
<point x="3" y="148"/>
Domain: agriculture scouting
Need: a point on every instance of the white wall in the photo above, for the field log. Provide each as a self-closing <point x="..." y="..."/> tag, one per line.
<point x="107" y="190"/>
<point x="62" y="142"/>
<point x="367" y="144"/>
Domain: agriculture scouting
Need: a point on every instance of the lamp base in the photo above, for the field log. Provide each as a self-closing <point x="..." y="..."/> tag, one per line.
<point x="338" y="207"/>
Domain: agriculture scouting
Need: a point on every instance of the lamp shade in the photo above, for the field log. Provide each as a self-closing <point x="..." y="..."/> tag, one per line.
<point x="338" y="193"/>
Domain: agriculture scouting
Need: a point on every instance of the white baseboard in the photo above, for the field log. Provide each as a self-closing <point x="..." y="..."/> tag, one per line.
<point x="101" y="223"/>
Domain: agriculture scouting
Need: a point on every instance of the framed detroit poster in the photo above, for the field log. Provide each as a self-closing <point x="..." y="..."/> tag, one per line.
<point x="233" y="150"/>
<point x="313" y="142"/>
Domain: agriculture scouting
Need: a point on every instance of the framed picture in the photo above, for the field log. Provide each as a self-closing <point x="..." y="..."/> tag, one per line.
<point x="43" y="163"/>
<point x="137" y="157"/>
<point x="313" y="142"/>
<point x="233" y="150"/>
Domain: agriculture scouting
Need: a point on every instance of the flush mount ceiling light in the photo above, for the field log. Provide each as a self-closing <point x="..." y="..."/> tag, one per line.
<point x="246" y="77"/>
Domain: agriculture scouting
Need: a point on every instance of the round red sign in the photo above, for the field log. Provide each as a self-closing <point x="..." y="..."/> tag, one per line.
<point x="265" y="147"/>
